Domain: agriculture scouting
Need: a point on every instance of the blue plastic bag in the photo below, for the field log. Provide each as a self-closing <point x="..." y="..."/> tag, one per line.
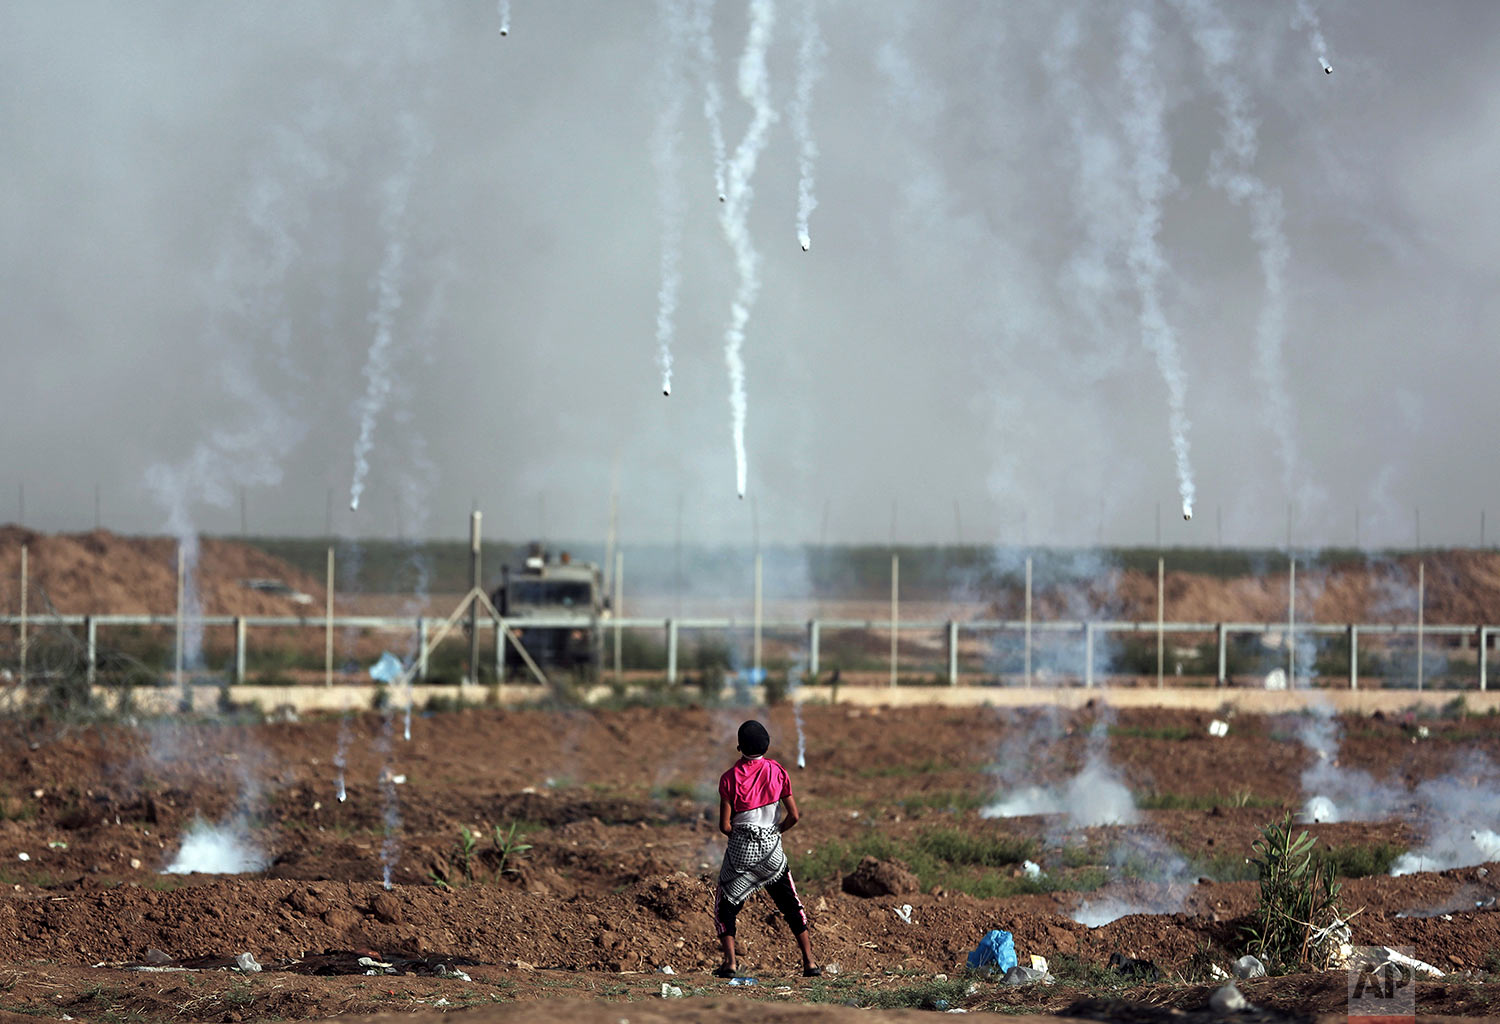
<point x="997" y="949"/>
<point x="387" y="670"/>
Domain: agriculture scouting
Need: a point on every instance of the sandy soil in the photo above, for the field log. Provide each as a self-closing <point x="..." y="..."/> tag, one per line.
<point x="616" y="807"/>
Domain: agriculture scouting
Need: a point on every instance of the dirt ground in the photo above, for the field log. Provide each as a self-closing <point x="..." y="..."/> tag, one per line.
<point x="616" y="811"/>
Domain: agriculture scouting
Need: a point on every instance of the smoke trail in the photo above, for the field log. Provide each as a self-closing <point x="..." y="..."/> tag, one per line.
<point x="756" y="91"/>
<point x="713" y="99"/>
<point x="810" y="54"/>
<point x="225" y="849"/>
<point x="395" y="194"/>
<point x="1230" y="171"/>
<point x="1307" y="17"/>
<point x="341" y="756"/>
<point x="665" y="156"/>
<point x="503" y="9"/>
<point x="1152" y="175"/>
<point x="390" y="845"/>
<point x="1461" y="820"/>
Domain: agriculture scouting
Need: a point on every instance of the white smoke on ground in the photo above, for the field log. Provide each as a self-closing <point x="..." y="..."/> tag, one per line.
<point x="1232" y="172"/>
<point x="224" y="849"/>
<point x="713" y="99"/>
<point x="811" y="52"/>
<point x="1094" y="795"/>
<point x="1163" y="880"/>
<point x="395" y="193"/>
<point x="1333" y="792"/>
<point x="1460" y="817"/>
<point x="1306" y="17"/>
<point x="1143" y="125"/>
<point x="668" y="162"/>
<point x="734" y="218"/>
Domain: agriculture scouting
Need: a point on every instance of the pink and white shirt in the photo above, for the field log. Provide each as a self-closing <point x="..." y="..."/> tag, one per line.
<point x="752" y="787"/>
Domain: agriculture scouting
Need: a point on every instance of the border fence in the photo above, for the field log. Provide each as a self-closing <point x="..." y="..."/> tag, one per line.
<point x="943" y="652"/>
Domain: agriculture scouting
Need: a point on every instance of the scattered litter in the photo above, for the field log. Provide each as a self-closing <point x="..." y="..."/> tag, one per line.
<point x="1218" y="728"/>
<point x="1422" y="732"/>
<point x="830" y="968"/>
<point x="387" y="670"/>
<point x="939" y="977"/>
<point x="441" y="1002"/>
<point x="670" y="991"/>
<point x="444" y="971"/>
<point x="973" y="988"/>
<point x="56" y="844"/>
<point x="997" y="949"/>
<point x="903" y="912"/>
<point x="783" y="990"/>
<point x="1033" y="869"/>
<point x="135" y="863"/>
<point x="1019" y="975"/>
<point x="1393" y="957"/>
<point x="1228" y="1000"/>
<point x="23" y="856"/>
<point x="156" y="956"/>
<point x="1039" y="963"/>
<point x="1217" y="973"/>
<point x="373" y="966"/>
<point x="742" y="982"/>
<point x="246" y="963"/>
<point x="665" y="969"/>
<point x="1249" y="967"/>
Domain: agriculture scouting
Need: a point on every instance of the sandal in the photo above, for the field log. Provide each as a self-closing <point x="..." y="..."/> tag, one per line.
<point x="726" y="972"/>
<point x="812" y="972"/>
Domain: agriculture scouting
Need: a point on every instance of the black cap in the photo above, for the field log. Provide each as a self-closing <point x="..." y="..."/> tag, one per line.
<point x="754" y="740"/>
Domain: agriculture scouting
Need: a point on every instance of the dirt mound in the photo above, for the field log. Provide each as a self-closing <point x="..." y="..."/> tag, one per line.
<point x="104" y="573"/>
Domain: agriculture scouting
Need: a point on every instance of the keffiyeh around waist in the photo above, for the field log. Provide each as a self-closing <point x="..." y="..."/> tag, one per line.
<point x="753" y="860"/>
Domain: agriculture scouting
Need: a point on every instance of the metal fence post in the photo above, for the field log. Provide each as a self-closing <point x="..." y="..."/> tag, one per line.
<point x="1484" y="637"/>
<point x="952" y="652"/>
<point x="239" y="648"/>
<point x="671" y="651"/>
<point x="23" y="614"/>
<point x="421" y="647"/>
<point x="812" y="647"/>
<point x="91" y="648"/>
<point x="1353" y="656"/>
<point x="1222" y="635"/>
<point x="1088" y="654"/>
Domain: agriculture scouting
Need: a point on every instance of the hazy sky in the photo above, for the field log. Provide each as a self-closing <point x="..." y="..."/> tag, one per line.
<point x="240" y="237"/>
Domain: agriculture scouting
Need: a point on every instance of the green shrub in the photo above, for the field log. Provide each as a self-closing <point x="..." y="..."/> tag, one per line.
<point x="1294" y="920"/>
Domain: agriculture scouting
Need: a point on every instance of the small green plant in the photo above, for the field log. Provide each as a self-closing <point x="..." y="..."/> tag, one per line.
<point x="464" y="848"/>
<point x="1354" y="861"/>
<point x="508" y="845"/>
<point x="1297" y="918"/>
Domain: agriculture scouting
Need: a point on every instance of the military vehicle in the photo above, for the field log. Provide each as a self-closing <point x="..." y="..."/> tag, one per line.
<point x="549" y="590"/>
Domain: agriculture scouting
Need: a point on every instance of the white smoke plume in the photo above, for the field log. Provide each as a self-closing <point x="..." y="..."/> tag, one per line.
<point x="713" y="99"/>
<point x="1092" y="796"/>
<point x="665" y="156"/>
<point x="217" y="850"/>
<point x="1333" y="792"/>
<point x="811" y="52"/>
<point x="1461" y="818"/>
<point x="503" y="10"/>
<point x="1232" y="171"/>
<point x="1165" y="880"/>
<point x="1143" y="124"/>
<point x="1307" y="17"/>
<point x="755" y="89"/>
<point x="394" y="224"/>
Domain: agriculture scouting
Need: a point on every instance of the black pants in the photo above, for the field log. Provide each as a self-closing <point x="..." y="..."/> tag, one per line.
<point x="783" y="893"/>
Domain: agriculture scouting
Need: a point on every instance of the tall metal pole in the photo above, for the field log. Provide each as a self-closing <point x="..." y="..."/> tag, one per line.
<point x="1291" y="624"/>
<point x="755" y="638"/>
<point x="474" y="518"/>
<point x="619" y="607"/>
<point x="1161" y="611"/>
<point x="328" y="624"/>
<point x="98" y="520"/>
<point x="1421" y="615"/>
<point x="181" y="578"/>
<point x="24" y="588"/>
<point x="895" y="612"/>
<point x="1027" y="654"/>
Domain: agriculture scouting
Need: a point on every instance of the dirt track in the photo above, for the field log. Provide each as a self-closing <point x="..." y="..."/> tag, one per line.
<point x="616" y="808"/>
